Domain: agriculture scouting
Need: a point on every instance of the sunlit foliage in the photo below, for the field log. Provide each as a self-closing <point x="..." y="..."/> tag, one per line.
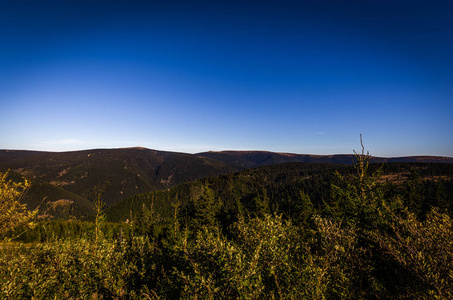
<point x="13" y="213"/>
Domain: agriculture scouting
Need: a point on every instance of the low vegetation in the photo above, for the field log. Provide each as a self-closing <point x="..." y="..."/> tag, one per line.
<point x="347" y="235"/>
<point x="13" y="213"/>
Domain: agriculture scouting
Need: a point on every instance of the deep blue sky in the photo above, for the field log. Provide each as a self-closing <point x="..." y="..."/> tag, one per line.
<point x="286" y="76"/>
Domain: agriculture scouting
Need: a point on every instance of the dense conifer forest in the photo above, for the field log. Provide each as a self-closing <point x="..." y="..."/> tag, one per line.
<point x="285" y="231"/>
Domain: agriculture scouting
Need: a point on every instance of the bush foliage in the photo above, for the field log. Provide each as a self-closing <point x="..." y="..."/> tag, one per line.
<point x="13" y="213"/>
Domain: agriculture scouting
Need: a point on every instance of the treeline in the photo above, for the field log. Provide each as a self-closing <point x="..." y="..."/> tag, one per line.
<point x="295" y="190"/>
<point x="57" y="230"/>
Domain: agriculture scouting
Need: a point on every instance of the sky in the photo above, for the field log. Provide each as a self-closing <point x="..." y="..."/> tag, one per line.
<point x="189" y="76"/>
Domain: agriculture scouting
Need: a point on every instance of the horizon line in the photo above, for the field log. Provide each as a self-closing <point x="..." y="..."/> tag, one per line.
<point x="216" y="151"/>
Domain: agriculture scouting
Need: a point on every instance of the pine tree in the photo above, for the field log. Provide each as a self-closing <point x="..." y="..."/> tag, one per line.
<point x="206" y="209"/>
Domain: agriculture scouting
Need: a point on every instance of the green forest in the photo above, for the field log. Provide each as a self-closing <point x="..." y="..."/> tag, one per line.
<point x="283" y="231"/>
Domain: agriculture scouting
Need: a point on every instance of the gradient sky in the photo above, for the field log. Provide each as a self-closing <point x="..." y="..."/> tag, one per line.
<point x="285" y="76"/>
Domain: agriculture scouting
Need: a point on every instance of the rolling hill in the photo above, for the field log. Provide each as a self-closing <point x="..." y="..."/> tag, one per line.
<point x="10" y="155"/>
<point x="65" y="184"/>
<point x="115" y="174"/>
<point x="253" y="159"/>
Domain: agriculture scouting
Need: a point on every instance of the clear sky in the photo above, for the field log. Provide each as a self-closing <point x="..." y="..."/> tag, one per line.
<point x="192" y="76"/>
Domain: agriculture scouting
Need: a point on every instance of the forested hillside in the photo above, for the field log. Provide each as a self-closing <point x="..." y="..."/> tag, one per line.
<point x="292" y="189"/>
<point x="78" y="178"/>
<point x="66" y="184"/>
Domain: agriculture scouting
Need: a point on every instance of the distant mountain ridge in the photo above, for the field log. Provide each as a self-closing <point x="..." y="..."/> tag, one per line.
<point x="114" y="174"/>
<point x="10" y="155"/>
<point x="66" y="183"/>
<point x="253" y="159"/>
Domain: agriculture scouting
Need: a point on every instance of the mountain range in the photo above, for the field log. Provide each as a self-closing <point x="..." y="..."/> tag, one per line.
<point x="253" y="159"/>
<point x="65" y="184"/>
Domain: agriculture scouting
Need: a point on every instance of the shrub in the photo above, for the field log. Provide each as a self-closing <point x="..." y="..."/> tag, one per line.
<point x="13" y="214"/>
